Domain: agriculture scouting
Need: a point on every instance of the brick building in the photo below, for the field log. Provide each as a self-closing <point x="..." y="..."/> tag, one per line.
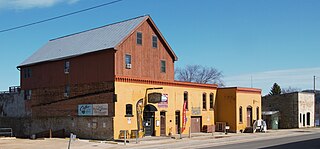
<point x="117" y="77"/>
<point x="296" y="109"/>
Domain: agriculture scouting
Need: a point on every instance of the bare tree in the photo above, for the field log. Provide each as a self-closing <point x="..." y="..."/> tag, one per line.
<point x="290" y="90"/>
<point x="199" y="74"/>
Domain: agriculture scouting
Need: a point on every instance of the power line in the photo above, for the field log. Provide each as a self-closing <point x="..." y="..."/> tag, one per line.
<point x="61" y="16"/>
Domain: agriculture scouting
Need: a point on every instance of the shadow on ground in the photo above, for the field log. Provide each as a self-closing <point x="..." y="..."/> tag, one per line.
<point x="308" y="144"/>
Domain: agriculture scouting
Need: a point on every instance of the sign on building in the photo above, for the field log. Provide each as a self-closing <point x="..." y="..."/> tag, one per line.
<point x="195" y="111"/>
<point x="85" y="110"/>
<point x="100" y="109"/>
<point x="164" y="101"/>
<point x="154" y="97"/>
<point x="93" y="109"/>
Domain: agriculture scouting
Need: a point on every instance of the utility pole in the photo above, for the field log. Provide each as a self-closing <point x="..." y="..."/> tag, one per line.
<point x="315" y="101"/>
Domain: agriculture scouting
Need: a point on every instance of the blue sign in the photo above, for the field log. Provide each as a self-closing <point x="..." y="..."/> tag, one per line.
<point x="85" y="110"/>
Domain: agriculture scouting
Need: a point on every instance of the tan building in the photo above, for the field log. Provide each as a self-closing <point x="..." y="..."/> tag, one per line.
<point x="237" y="107"/>
<point x="296" y="110"/>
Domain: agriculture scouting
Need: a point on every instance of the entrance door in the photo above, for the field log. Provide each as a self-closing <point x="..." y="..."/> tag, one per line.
<point x="195" y="124"/>
<point x="163" y="123"/>
<point x="148" y="119"/>
<point x="177" y="122"/>
<point x="249" y="116"/>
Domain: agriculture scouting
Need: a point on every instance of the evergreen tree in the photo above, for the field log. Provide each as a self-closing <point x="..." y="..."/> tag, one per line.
<point x="275" y="90"/>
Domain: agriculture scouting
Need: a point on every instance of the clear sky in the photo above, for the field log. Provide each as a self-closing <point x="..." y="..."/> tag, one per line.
<point x="270" y="40"/>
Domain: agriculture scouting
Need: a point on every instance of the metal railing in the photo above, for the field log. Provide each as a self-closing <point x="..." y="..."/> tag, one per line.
<point x="6" y="131"/>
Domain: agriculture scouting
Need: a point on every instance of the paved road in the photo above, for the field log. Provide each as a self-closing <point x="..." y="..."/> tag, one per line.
<point x="297" y="142"/>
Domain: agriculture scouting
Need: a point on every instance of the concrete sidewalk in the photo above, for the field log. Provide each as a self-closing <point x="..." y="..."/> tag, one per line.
<point x="198" y="140"/>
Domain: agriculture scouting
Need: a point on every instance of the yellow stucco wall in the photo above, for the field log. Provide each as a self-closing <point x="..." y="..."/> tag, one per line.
<point x="226" y="107"/>
<point x="228" y="103"/>
<point x="130" y="93"/>
<point x="246" y="100"/>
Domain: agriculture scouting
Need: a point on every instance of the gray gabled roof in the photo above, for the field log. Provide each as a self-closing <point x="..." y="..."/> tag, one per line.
<point x="93" y="40"/>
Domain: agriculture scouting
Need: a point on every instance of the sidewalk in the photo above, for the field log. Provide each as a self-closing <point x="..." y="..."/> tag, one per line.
<point x="206" y="139"/>
<point x="197" y="140"/>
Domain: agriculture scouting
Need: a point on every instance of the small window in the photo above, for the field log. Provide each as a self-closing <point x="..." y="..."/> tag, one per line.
<point x="154" y="41"/>
<point x="27" y="72"/>
<point x="128" y="61"/>
<point x="300" y="118"/>
<point x="67" y="91"/>
<point x="258" y="117"/>
<point x="204" y="101"/>
<point x="240" y="114"/>
<point x="185" y="99"/>
<point x="308" y="118"/>
<point x="66" y="67"/>
<point x="163" y="66"/>
<point x="139" y="38"/>
<point x="211" y="101"/>
<point x="27" y="95"/>
<point x="129" y="110"/>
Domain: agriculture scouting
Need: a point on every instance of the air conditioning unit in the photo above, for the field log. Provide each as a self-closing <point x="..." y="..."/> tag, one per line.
<point x="65" y="94"/>
<point x="128" y="66"/>
<point x="66" y="71"/>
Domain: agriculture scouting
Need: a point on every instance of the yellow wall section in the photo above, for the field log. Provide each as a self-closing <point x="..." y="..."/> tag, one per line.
<point x="228" y="103"/>
<point x="130" y="93"/>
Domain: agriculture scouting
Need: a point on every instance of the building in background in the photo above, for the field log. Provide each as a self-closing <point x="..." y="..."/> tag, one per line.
<point x="296" y="110"/>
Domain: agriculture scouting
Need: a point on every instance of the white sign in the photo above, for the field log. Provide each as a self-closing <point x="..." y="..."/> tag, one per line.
<point x="100" y="109"/>
<point x="92" y="109"/>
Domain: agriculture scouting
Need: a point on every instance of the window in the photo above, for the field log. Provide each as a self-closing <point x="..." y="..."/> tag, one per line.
<point x="139" y="38"/>
<point x="27" y="94"/>
<point x="211" y="101"/>
<point x="67" y="91"/>
<point x="129" y="110"/>
<point x="154" y="41"/>
<point x="258" y="117"/>
<point x="128" y="61"/>
<point x="163" y="66"/>
<point x="27" y="72"/>
<point x="300" y="117"/>
<point x="204" y="101"/>
<point x="308" y="118"/>
<point x="240" y="114"/>
<point x="66" y="67"/>
<point x="185" y="99"/>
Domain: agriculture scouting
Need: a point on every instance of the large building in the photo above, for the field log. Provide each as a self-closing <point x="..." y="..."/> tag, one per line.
<point x="296" y="110"/>
<point x="101" y="82"/>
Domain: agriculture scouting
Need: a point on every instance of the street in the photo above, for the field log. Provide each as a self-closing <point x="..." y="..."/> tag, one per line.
<point x="297" y="142"/>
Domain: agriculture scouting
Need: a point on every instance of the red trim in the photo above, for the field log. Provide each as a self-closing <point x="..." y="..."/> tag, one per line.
<point x="167" y="83"/>
<point x="244" y="90"/>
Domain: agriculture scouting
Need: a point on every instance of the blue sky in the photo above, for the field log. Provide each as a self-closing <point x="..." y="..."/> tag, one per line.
<point x="258" y="38"/>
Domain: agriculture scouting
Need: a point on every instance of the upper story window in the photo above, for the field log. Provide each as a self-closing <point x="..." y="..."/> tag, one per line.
<point x="204" y="101"/>
<point x="185" y="99"/>
<point x="154" y="41"/>
<point x="27" y="72"/>
<point x="128" y="61"/>
<point x="211" y="101"/>
<point x="163" y="66"/>
<point x="67" y="91"/>
<point x="27" y="94"/>
<point x="129" y="110"/>
<point x="139" y="38"/>
<point x="66" y="67"/>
